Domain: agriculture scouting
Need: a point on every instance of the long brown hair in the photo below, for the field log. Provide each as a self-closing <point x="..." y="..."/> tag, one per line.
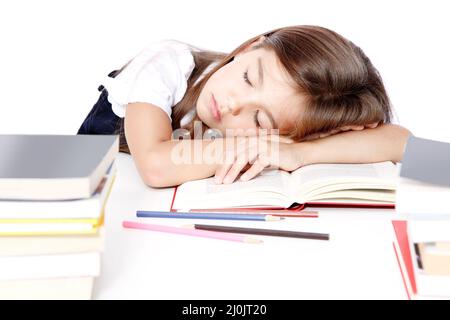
<point x="339" y="82"/>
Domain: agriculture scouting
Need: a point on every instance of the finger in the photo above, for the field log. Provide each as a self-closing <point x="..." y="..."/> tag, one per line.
<point x="311" y="137"/>
<point x="372" y="125"/>
<point x="227" y="163"/>
<point x="323" y="135"/>
<point x="234" y="146"/>
<point x="256" y="168"/>
<point x="268" y="161"/>
<point x="221" y="173"/>
<point x="285" y="139"/>
<point x="236" y="168"/>
<point x="353" y="128"/>
<point x="247" y="166"/>
<point x="334" y="131"/>
<point x="254" y="150"/>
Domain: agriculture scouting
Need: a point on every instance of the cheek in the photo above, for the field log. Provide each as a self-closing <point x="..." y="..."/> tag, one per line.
<point x="238" y="123"/>
<point x="222" y="79"/>
<point x="202" y="106"/>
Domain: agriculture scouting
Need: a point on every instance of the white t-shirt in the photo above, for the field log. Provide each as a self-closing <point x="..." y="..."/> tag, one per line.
<point x="157" y="75"/>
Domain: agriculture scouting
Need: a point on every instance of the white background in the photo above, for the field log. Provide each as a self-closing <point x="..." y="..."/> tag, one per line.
<point x="53" y="54"/>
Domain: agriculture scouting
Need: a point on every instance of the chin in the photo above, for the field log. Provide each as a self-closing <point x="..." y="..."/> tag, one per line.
<point x="216" y="128"/>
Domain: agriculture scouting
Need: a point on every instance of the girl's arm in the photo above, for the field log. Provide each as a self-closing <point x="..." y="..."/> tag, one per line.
<point x="149" y="133"/>
<point x="383" y="143"/>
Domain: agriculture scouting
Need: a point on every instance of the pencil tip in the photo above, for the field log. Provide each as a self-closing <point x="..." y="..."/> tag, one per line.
<point x="252" y="240"/>
<point x="272" y="218"/>
<point x="188" y="226"/>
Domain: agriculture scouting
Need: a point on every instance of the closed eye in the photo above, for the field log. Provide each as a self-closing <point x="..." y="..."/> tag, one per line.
<point x="246" y="79"/>
<point x="255" y="117"/>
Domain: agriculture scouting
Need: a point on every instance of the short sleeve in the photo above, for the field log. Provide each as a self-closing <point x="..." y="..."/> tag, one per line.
<point x="157" y="75"/>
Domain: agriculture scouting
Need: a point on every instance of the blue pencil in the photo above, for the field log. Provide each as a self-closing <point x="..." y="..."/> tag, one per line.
<point x="205" y="215"/>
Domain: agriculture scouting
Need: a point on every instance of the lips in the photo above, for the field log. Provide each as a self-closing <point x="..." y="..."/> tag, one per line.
<point x="214" y="109"/>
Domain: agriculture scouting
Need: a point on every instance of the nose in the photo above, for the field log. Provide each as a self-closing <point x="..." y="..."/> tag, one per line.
<point x="232" y="106"/>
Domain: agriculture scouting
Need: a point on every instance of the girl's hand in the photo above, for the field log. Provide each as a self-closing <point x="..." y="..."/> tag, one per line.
<point x="253" y="154"/>
<point x="339" y="130"/>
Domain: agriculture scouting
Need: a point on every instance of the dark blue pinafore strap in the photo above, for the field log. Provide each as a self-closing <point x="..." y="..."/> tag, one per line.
<point x="101" y="119"/>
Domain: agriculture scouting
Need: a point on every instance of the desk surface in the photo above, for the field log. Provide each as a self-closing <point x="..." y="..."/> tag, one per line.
<point x="357" y="263"/>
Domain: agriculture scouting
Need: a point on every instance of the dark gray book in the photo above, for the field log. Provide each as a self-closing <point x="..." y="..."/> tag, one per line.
<point x="54" y="167"/>
<point x="426" y="161"/>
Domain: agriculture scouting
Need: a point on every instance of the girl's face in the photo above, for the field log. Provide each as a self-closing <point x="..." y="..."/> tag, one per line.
<point x="252" y="91"/>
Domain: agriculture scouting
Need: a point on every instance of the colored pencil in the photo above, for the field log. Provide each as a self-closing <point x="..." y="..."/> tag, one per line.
<point x="190" y="232"/>
<point x="264" y="232"/>
<point x="205" y="215"/>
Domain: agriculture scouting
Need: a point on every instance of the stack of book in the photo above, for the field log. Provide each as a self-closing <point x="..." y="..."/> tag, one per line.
<point x="423" y="239"/>
<point x="53" y="193"/>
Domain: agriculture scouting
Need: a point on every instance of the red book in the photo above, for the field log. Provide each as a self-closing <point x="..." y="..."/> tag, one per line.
<point x="404" y="257"/>
<point x="418" y="284"/>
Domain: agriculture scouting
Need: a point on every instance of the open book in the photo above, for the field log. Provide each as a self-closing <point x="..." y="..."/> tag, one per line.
<point x="364" y="185"/>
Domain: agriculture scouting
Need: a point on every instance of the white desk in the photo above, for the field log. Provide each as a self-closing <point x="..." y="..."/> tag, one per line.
<point x="357" y="263"/>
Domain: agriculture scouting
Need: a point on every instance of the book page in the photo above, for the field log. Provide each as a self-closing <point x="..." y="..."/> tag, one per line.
<point x="339" y="176"/>
<point x="364" y="195"/>
<point x="274" y="180"/>
<point x="268" y="188"/>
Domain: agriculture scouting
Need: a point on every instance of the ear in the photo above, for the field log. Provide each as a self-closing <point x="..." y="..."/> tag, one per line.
<point x="251" y="46"/>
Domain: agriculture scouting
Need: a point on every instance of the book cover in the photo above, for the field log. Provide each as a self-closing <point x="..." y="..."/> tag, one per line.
<point x="426" y="161"/>
<point x="434" y="260"/>
<point x="54" y="167"/>
<point x="90" y="208"/>
<point x="424" y="179"/>
<point x="404" y="257"/>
